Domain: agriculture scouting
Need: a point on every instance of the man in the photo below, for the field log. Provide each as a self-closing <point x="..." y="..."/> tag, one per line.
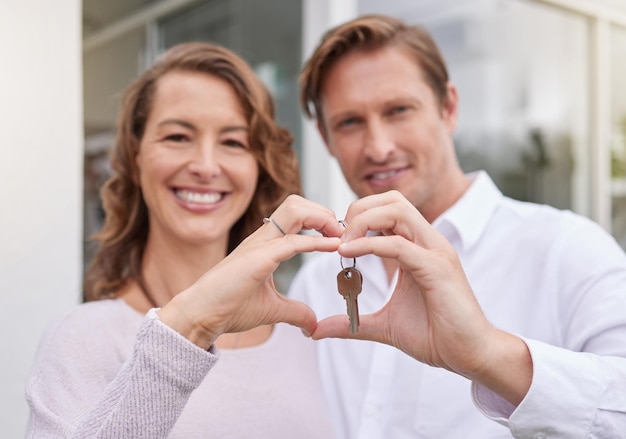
<point x="516" y="312"/>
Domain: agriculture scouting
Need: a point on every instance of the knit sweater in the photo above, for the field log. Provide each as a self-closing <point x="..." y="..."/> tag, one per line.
<point x="105" y="371"/>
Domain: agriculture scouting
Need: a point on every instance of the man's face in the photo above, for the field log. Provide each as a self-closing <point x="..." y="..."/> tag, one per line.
<point x="384" y="125"/>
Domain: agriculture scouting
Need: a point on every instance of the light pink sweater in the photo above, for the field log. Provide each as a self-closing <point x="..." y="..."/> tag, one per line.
<point x="105" y="371"/>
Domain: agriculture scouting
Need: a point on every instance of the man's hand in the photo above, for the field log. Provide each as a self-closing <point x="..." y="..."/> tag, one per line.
<point x="433" y="314"/>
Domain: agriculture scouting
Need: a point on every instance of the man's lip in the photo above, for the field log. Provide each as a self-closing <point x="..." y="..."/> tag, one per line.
<point x="384" y="174"/>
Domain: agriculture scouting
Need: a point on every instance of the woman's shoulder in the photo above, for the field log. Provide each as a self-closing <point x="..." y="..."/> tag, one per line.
<point x="81" y="352"/>
<point x="92" y="327"/>
<point x="100" y="314"/>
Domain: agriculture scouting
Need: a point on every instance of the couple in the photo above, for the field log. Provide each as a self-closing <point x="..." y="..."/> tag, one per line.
<point x="494" y="318"/>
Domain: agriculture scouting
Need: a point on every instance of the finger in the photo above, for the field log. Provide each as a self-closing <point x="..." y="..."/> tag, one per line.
<point x="296" y="214"/>
<point x="397" y="218"/>
<point x="408" y="254"/>
<point x="297" y="314"/>
<point x="338" y="326"/>
<point x="259" y="257"/>
<point x="364" y="204"/>
<point x="288" y="246"/>
<point x="386" y="201"/>
<point x="268" y="254"/>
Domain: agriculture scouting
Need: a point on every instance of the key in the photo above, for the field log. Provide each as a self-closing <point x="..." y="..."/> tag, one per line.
<point x="349" y="283"/>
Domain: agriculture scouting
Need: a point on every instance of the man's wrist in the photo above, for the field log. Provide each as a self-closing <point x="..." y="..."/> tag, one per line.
<point x="509" y="369"/>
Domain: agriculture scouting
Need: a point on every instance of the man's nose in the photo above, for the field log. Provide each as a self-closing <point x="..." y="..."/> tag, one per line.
<point x="379" y="143"/>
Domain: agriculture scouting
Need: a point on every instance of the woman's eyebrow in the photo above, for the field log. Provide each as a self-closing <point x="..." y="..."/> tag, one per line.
<point x="177" y="122"/>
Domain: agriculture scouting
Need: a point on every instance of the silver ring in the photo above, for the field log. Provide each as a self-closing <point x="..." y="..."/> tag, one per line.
<point x="270" y="220"/>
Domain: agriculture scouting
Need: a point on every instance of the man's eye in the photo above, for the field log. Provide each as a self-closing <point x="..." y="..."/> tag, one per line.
<point x="347" y="122"/>
<point x="398" y="110"/>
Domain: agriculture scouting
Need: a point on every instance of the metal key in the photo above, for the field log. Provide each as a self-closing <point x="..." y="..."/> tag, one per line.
<point x="349" y="282"/>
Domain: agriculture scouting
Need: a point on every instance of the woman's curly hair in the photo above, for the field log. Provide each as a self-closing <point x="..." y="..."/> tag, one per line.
<point x="123" y="237"/>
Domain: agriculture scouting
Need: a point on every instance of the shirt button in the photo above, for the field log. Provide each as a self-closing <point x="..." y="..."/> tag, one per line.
<point x="539" y="436"/>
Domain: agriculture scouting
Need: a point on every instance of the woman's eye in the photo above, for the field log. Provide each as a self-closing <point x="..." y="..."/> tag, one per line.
<point x="176" y="138"/>
<point x="234" y="143"/>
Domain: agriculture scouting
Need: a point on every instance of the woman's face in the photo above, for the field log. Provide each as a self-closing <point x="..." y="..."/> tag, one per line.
<point x="196" y="170"/>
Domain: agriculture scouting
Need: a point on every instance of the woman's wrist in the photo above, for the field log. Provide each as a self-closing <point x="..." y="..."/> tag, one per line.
<point x="176" y="316"/>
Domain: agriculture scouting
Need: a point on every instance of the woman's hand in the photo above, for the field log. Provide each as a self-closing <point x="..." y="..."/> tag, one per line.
<point x="238" y="293"/>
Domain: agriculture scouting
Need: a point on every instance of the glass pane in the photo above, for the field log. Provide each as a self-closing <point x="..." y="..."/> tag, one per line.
<point x="210" y="21"/>
<point x="618" y="133"/>
<point x="521" y="72"/>
<point x="266" y="34"/>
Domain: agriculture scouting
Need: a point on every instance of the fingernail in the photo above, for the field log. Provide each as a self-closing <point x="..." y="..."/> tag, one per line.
<point x="305" y="333"/>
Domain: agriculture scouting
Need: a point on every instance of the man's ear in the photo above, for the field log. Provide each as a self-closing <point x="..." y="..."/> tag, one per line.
<point x="450" y="108"/>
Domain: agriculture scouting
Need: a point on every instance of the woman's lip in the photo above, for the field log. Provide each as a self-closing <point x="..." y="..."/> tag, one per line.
<point x="196" y="205"/>
<point x="205" y="197"/>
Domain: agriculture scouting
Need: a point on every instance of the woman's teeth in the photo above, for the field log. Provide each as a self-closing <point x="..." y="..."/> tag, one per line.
<point x="199" y="197"/>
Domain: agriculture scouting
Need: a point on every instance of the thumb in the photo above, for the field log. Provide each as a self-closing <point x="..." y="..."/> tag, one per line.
<point x="338" y="326"/>
<point x="297" y="314"/>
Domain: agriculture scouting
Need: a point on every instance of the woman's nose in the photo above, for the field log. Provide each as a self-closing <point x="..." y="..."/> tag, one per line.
<point x="204" y="163"/>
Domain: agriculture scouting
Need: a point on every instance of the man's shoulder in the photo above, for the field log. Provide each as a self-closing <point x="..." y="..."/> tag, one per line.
<point x="551" y="224"/>
<point x="531" y="211"/>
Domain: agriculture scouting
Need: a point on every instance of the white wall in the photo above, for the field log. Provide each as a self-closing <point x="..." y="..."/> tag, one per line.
<point x="40" y="184"/>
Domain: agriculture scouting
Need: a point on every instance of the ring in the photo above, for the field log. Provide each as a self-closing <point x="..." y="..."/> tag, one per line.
<point x="343" y="223"/>
<point x="270" y="220"/>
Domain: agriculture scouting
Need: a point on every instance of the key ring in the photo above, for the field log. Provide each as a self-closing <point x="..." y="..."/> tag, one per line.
<point x="341" y="262"/>
<point x="345" y="224"/>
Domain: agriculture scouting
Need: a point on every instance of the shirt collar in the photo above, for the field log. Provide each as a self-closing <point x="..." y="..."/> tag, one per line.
<point x="468" y="217"/>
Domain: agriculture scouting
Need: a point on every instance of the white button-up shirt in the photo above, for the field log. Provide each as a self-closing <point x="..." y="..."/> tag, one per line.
<point x="552" y="277"/>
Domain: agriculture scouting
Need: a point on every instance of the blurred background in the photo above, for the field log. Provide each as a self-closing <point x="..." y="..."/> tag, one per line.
<point x="542" y="109"/>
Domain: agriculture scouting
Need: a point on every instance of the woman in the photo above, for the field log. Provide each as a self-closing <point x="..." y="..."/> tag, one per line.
<point x="198" y="164"/>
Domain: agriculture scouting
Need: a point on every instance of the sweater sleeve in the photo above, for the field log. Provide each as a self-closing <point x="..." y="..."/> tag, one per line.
<point x="144" y="400"/>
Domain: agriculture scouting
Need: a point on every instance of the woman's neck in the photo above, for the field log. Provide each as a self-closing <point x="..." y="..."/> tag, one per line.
<point x="169" y="267"/>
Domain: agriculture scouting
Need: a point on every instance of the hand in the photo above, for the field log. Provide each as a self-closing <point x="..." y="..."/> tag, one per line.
<point x="433" y="314"/>
<point x="239" y="293"/>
